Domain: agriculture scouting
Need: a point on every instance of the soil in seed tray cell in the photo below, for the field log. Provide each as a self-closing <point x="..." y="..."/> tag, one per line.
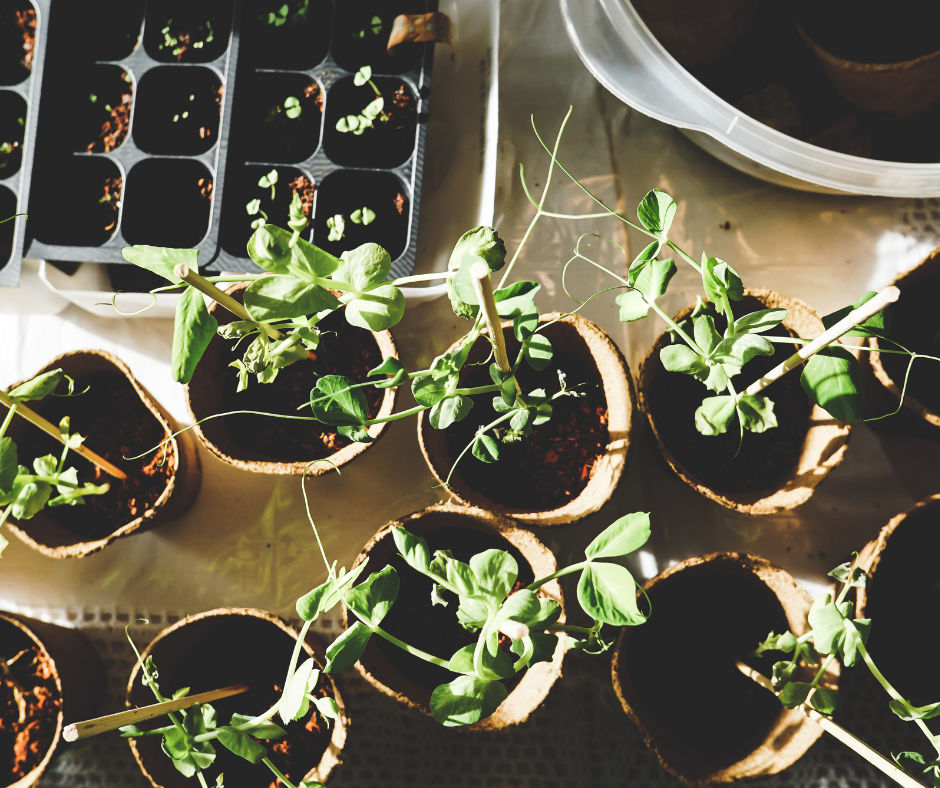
<point x="90" y="217"/>
<point x="187" y="31"/>
<point x="17" y="39"/>
<point x="434" y="628"/>
<point x="681" y="663"/>
<point x="7" y="208"/>
<point x="250" y="205"/>
<point x="389" y="142"/>
<point x="169" y="202"/>
<point x="764" y="458"/>
<point x="99" y="112"/>
<point x="285" y="116"/>
<point x="12" y="126"/>
<point x="27" y="673"/>
<point x="178" y="111"/>
<point x="361" y="34"/>
<point x="102" y="29"/>
<point x="356" y="207"/>
<point x="293" y="35"/>
<point x="238" y="650"/>
<point x="116" y="424"/>
<point x="343" y="350"/>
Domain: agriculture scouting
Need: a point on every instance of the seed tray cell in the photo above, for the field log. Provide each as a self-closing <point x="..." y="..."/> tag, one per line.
<point x="156" y="106"/>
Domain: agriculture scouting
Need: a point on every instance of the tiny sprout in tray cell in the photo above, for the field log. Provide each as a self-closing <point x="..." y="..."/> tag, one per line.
<point x="373" y="111"/>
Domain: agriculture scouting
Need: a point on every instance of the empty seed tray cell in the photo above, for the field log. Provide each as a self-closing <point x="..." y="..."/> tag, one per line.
<point x="190" y="123"/>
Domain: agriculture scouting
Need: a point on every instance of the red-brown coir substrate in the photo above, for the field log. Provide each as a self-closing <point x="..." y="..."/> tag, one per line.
<point x="553" y="465"/>
<point x="115" y="424"/>
<point x="343" y="350"/>
<point x="29" y="706"/>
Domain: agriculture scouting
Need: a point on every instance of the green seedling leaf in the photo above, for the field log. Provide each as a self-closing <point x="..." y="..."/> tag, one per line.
<point x="275" y="250"/>
<point x="826" y="701"/>
<point x="621" y="537"/>
<point x="853" y="576"/>
<point x="877" y="325"/>
<point x="544" y="645"/>
<point x="909" y="713"/>
<point x="327" y="707"/>
<point x="362" y="76"/>
<point x="794" y="694"/>
<point x="8" y="465"/>
<point x="715" y="415"/>
<point x="785" y="643"/>
<point x="722" y="283"/>
<point x="681" y="358"/>
<point x="757" y="413"/>
<point x="374" y="108"/>
<point x="428" y="391"/>
<point x="344" y="652"/>
<point x="485" y="448"/>
<point x="283" y="297"/>
<point x="182" y="692"/>
<point x="782" y="673"/>
<point x="450" y="410"/>
<point x="30" y="499"/>
<point x="656" y="212"/>
<point x="705" y="333"/>
<point x="516" y="299"/>
<point x="334" y="402"/>
<point x="525" y="323"/>
<point x="161" y="260"/>
<point x="39" y="387"/>
<point x="496" y="572"/>
<point x="833" y="380"/>
<point x="467" y="699"/>
<point x="607" y="592"/>
<point x="758" y="322"/>
<point x="479" y="243"/>
<point x="372" y="599"/>
<point x="263" y="730"/>
<point x="538" y="351"/>
<point x="650" y="279"/>
<point x="390" y="366"/>
<point x="240" y="743"/>
<point x="462" y="661"/>
<point x="826" y="621"/>
<point x="192" y="333"/>
<point x="363" y="266"/>
<point x="324" y="597"/>
<point x="738" y="349"/>
<point x="266" y="181"/>
<point x="253" y="207"/>
<point x="378" y="310"/>
<point x="414" y="549"/>
<point x="294" y="702"/>
<point x="856" y="632"/>
<point x="292" y="107"/>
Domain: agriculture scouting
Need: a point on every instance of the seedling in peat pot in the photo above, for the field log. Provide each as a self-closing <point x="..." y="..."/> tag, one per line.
<point x="23" y="493"/>
<point x="836" y="634"/>
<point x="357" y="124"/>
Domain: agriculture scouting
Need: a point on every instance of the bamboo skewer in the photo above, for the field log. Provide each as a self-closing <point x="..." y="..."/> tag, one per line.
<point x="875" y="758"/>
<point x="887" y="296"/>
<point x="483" y="287"/>
<point x="48" y="427"/>
<point x="82" y="730"/>
<point x="206" y="287"/>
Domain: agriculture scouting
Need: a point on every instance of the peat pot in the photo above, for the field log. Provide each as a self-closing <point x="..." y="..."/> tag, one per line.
<point x="118" y="418"/>
<point x="63" y="678"/>
<point x="285" y="446"/>
<point x="228" y="646"/>
<point x="571" y="465"/>
<point x="775" y="470"/>
<point x="677" y="679"/>
<point x="435" y="629"/>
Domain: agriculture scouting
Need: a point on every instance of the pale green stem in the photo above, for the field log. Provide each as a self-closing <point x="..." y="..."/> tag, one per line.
<point x="395" y="416"/>
<point x="684" y="256"/>
<point x="415" y="652"/>
<point x="281" y="777"/>
<point x="560" y="573"/>
<point x="8" y="419"/>
<point x="407" y="280"/>
<point x="823" y="669"/>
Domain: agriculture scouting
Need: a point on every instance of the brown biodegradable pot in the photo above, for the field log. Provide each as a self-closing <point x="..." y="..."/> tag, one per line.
<point x="75" y="683"/>
<point x="586" y="353"/>
<point x="113" y="433"/>
<point x="676" y="677"/>
<point x="775" y="470"/>
<point x="212" y="391"/>
<point x="903" y="90"/>
<point x="233" y="645"/>
<point x="901" y="596"/>
<point x="914" y="324"/>
<point x="435" y="629"/>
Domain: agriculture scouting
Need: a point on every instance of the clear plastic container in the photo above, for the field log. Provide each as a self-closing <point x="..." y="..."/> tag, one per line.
<point x="626" y="58"/>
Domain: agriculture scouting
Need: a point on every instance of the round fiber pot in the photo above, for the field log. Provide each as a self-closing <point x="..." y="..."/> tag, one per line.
<point x="901" y="595"/>
<point x="435" y="629"/>
<point x="228" y="646"/>
<point x="676" y="677"/>
<point x="775" y="470"/>
<point x="66" y="683"/>
<point x="914" y="325"/>
<point x="570" y="466"/>
<point x="119" y="418"/>
<point x="282" y="446"/>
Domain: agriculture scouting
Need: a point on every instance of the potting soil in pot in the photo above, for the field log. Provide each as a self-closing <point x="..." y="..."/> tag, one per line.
<point x="115" y="424"/>
<point x="715" y="460"/>
<point x="553" y="465"/>
<point x="681" y="662"/>
<point x="29" y="705"/>
<point x="343" y="350"/>
<point x="435" y="628"/>
<point x="17" y="40"/>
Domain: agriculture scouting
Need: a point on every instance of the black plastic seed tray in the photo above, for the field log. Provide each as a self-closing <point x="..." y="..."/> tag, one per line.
<point x="157" y="119"/>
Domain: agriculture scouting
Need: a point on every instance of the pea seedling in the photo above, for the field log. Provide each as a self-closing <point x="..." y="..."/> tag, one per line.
<point x="836" y="634"/>
<point x="357" y="124"/>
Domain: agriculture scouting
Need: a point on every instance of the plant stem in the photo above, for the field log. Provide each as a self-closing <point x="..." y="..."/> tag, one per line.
<point x="7" y="420"/>
<point x="48" y="480"/>
<point x="822" y="669"/>
<point x="560" y="573"/>
<point x="481" y="431"/>
<point x="569" y="628"/>
<point x="684" y="256"/>
<point x="478" y="390"/>
<point x="395" y="416"/>
<point x="407" y="280"/>
<point x="416" y="652"/>
<point x="281" y="777"/>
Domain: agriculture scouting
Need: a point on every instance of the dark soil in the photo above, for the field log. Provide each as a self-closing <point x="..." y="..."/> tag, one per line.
<point x="103" y="29"/>
<point x="12" y="126"/>
<point x="903" y="598"/>
<point x="553" y="465"/>
<point x="271" y="134"/>
<point x="345" y="191"/>
<point x="116" y="424"/>
<point x="102" y="109"/>
<point x="434" y="628"/>
<point x="775" y="78"/>
<point x="29" y="705"/>
<point x="188" y="31"/>
<point x="178" y="111"/>
<point x="764" y="458"/>
<point x="681" y="662"/>
<point x="914" y="325"/>
<point x="7" y="208"/>
<point x="299" y="44"/>
<point x="356" y="45"/>
<point x="388" y="143"/>
<point x="343" y="350"/>
<point x="95" y="189"/>
<point x="167" y="203"/>
<point x="243" y="650"/>
<point x="17" y="39"/>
